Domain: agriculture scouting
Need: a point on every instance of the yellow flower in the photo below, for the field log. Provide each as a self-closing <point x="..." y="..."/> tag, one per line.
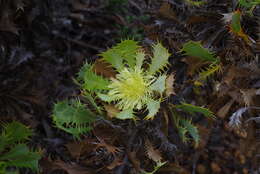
<point x="131" y="89"/>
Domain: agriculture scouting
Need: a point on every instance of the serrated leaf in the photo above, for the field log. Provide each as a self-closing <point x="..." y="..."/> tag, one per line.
<point x="182" y="133"/>
<point x="235" y="22"/>
<point x="159" y="59"/>
<point x="20" y="156"/>
<point x="30" y="161"/>
<point x="153" y="107"/>
<point x="235" y="25"/>
<point x="16" y="132"/>
<point x="91" y="81"/>
<point x="114" y="58"/>
<point x="105" y="97"/>
<point x="192" y="109"/>
<point x="73" y="117"/>
<point x="124" y="51"/>
<point x="212" y="69"/>
<point x="195" y="49"/>
<point x="17" y="151"/>
<point x="159" y="85"/>
<point x="193" y="131"/>
<point x="125" y="114"/>
<point x="140" y="59"/>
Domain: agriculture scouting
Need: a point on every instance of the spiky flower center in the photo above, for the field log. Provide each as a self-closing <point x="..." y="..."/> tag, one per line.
<point x="131" y="89"/>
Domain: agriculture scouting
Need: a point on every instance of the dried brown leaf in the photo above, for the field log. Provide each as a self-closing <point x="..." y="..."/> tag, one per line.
<point x="112" y="111"/>
<point x="6" y="24"/>
<point x="204" y="133"/>
<point x="248" y="95"/>
<point x="152" y="153"/>
<point x="73" y="168"/>
<point x="167" y="12"/>
<point x="76" y="149"/>
<point x="110" y="148"/>
<point x="169" y="85"/>
<point x="135" y="161"/>
<point x="115" y="163"/>
<point x="223" y="111"/>
<point x="104" y="69"/>
<point x="235" y="72"/>
<point x="176" y="168"/>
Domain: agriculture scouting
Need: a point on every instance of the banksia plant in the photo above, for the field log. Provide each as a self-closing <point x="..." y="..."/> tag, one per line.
<point x="134" y="87"/>
<point x="13" y="150"/>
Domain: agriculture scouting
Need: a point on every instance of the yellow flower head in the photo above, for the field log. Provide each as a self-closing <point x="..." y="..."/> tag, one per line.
<point x="131" y="89"/>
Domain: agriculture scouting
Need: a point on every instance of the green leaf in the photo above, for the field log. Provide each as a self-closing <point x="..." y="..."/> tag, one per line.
<point x="105" y="97"/>
<point x="124" y="51"/>
<point x="248" y="3"/>
<point x="92" y="101"/>
<point x="126" y="114"/>
<point x="158" y="165"/>
<point x="235" y="23"/>
<point x="16" y="132"/>
<point x="159" y="59"/>
<point x="153" y="107"/>
<point x="91" y="81"/>
<point x="114" y="58"/>
<point x="20" y="156"/>
<point x="213" y="68"/>
<point x="183" y="133"/>
<point x="73" y="117"/>
<point x="193" y="131"/>
<point x="195" y="49"/>
<point x="159" y="85"/>
<point x="192" y="109"/>
<point x="140" y="59"/>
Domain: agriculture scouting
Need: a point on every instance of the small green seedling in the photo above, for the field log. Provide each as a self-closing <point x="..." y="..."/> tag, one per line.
<point x="13" y="150"/>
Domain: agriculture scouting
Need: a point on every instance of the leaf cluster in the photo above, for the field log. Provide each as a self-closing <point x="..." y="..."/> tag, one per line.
<point x="73" y="117"/>
<point x="13" y="150"/>
<point x="195" y="49"/>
